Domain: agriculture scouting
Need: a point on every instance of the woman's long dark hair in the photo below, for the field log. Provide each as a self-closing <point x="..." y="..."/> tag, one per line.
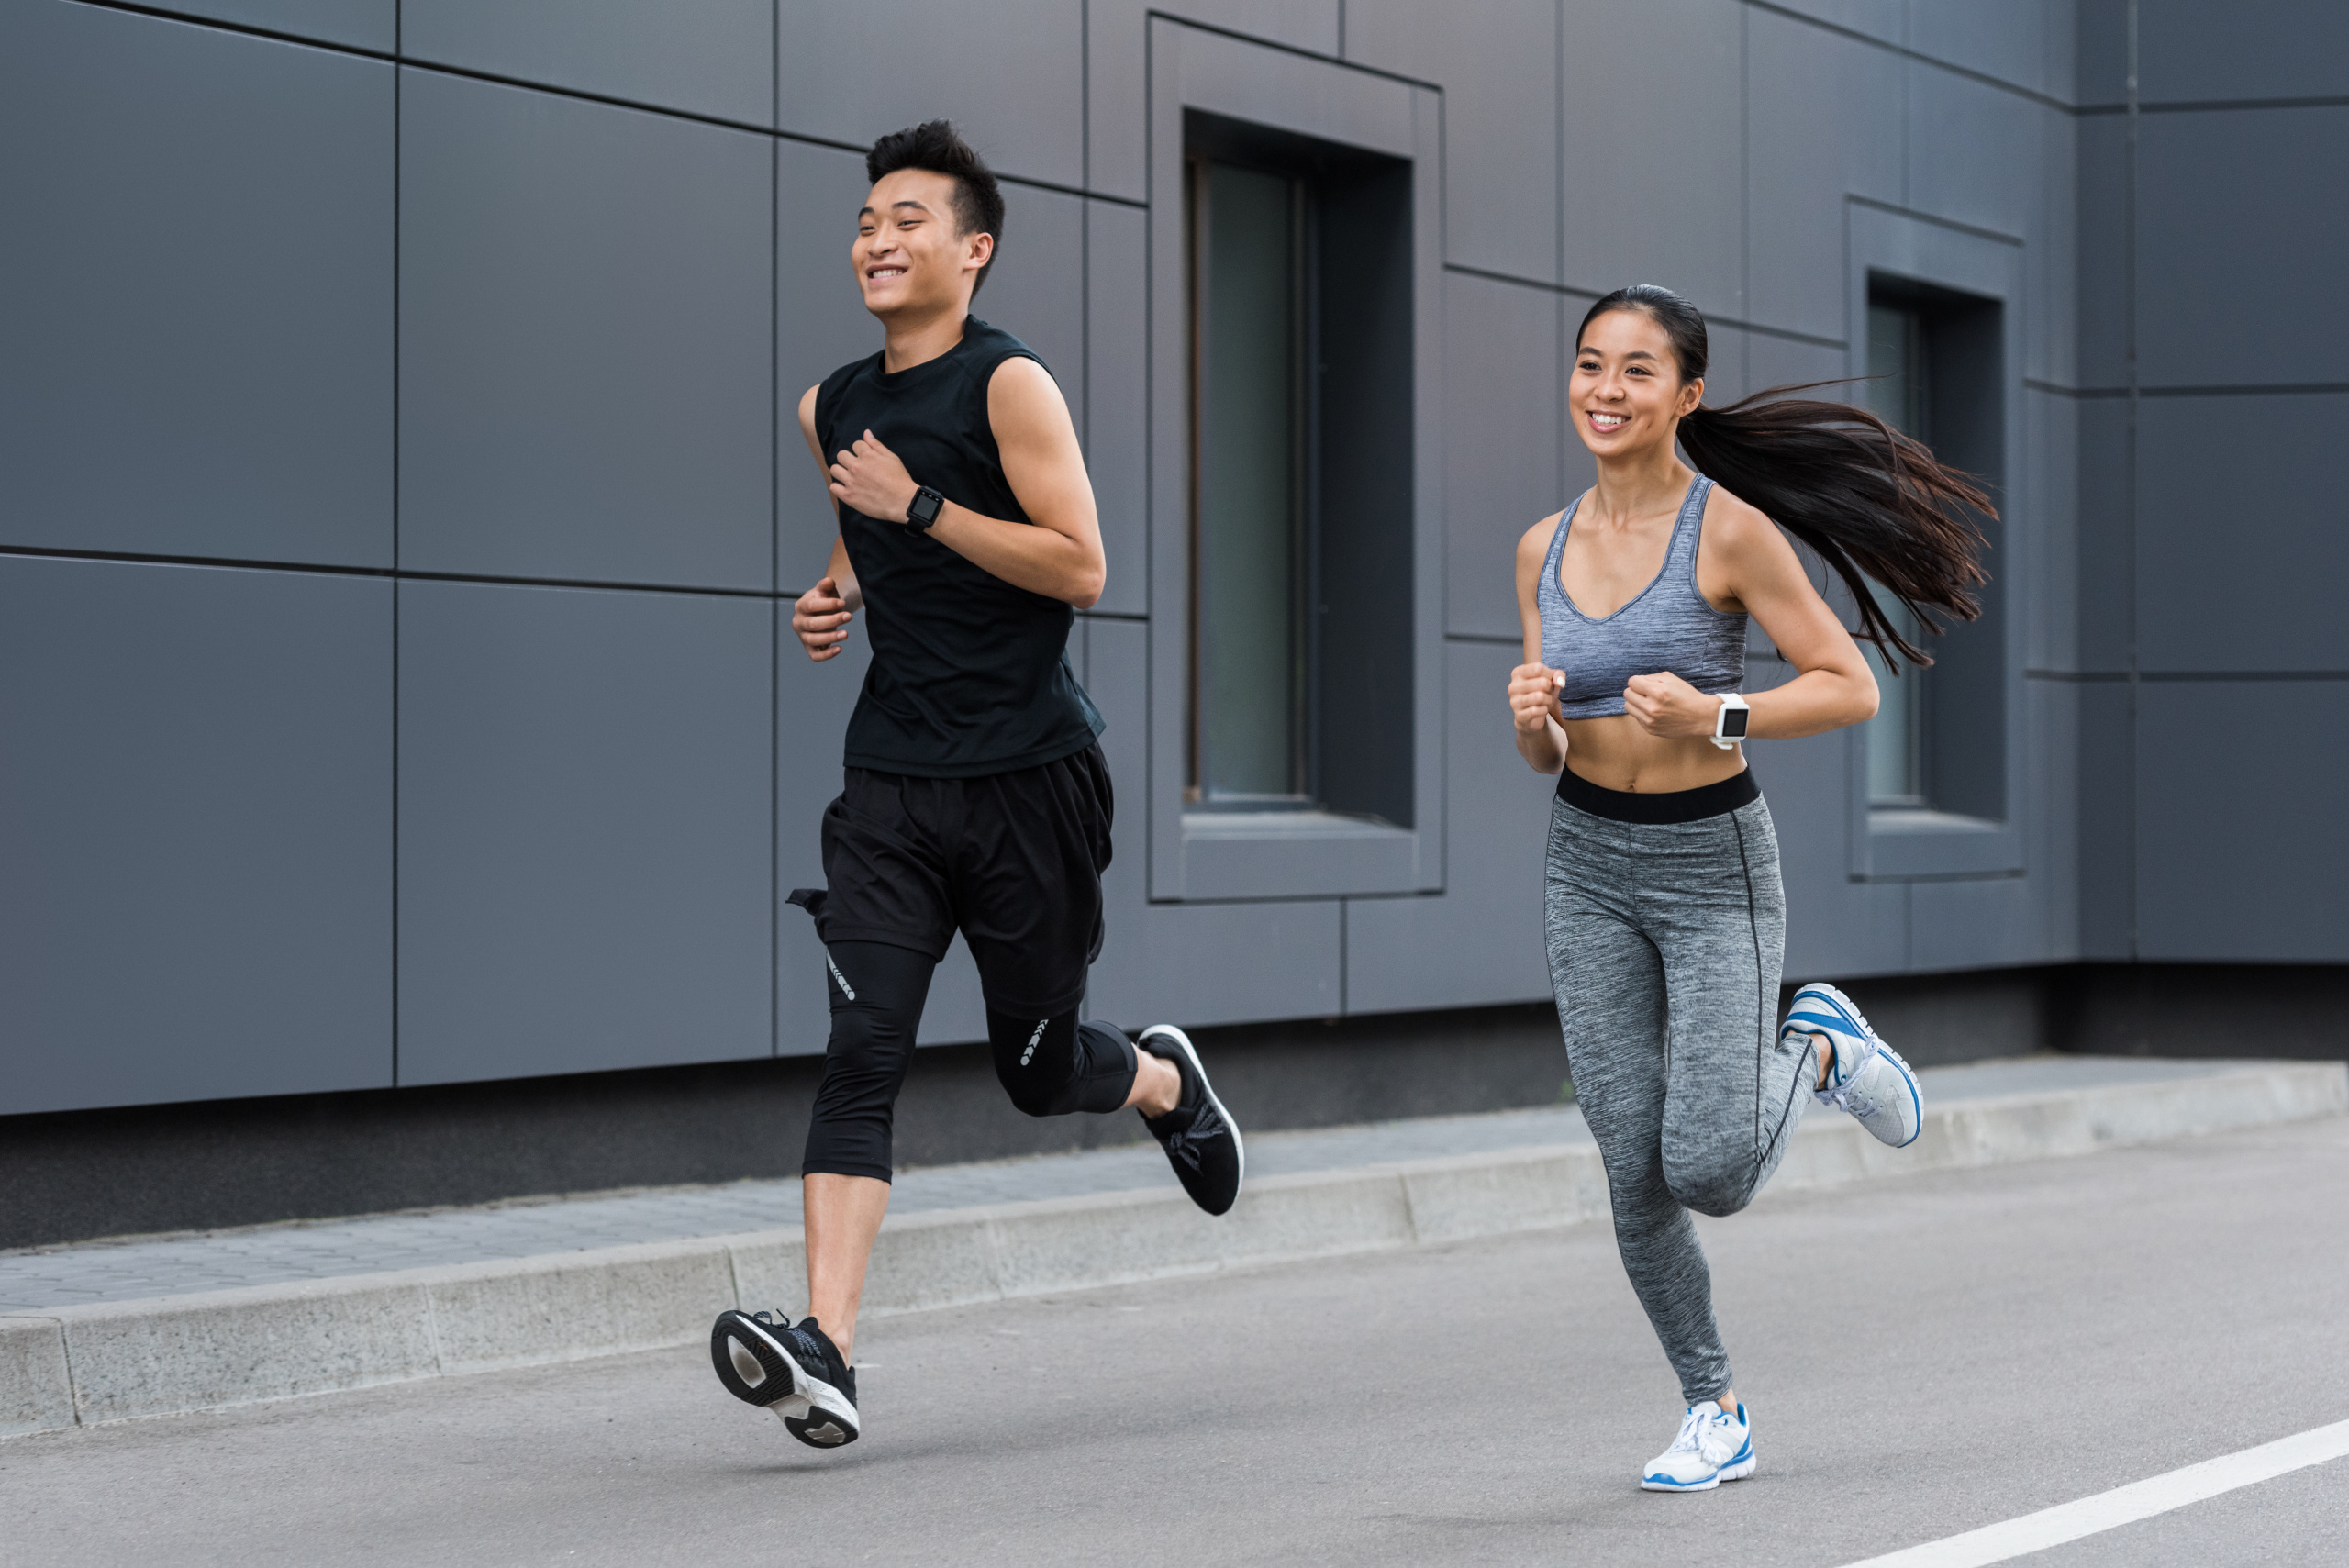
<point x="1875" y="504"/>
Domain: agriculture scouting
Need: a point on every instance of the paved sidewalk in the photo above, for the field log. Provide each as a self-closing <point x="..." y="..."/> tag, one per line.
<point x="37" y="1279"/>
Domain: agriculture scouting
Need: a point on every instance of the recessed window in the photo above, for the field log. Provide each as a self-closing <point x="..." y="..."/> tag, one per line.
<point x="1938" y="741"/>
<point x="1251" y="423"/>
<point x="1298" y="277"/>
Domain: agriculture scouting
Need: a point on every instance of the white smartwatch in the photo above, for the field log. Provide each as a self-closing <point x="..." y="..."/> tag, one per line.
<point x="1728" y="725"/>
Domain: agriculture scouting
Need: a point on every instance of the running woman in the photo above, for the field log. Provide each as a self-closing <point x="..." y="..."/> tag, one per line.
<point x="1663" y="915"/>
<point x="974" y="797"/>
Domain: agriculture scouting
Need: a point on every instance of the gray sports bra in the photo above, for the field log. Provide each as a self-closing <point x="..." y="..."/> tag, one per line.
<point x="1667" y="625"/>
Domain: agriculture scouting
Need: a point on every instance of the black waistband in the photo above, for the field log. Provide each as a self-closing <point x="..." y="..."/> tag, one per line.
<point x="1658" y="810"/>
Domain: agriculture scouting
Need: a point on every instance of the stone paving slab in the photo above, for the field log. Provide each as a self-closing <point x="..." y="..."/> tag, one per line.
<point x="110" y="1360"/>
<point x="34" y="1279"/>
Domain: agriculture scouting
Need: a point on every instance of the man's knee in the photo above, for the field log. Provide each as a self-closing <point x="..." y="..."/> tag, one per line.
<point x="1033" y="1060"/>
<point x="1056" y="1066"/>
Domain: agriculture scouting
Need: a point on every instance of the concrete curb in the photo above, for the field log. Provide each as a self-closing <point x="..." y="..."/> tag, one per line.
<point x="81" y="1365"/>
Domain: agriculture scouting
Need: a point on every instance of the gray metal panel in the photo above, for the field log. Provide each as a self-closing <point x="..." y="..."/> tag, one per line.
<point x="2205" y="184"/>
<point x="707" y="57"/>
<point x="1010" y="74"/>
<point x="585" y="849"/>
<point x="2027" y="42"/>
<point x="2052" y="254"/>
<point x="1877" y="18"/>
<point x="1497" y="64"/>
<point x="2193" y="51"/>
<point x="1822" y="115"/>
<point x="1503" y="441"/>
<point x="362" y="24"/>
<point x="2108" y="819"/>
<point x="1834" y="925"/>
<point x="2051" y="831"/>
<point x="1966" y="141"/>
<point x="198" y="254"/>
<point x="1781" y="361"/>
<point x="2107" y="543"/>
<point x="1190" y="963"/>
<point x="1480" y="943"/>
<point x="2050" y="478"/>
<point x="2262" y="885"/>
<point x="1117" y="396"/>
<point x="2235" y="571"/>
<point x="1677" y="173"/>
<point x="820" y="325"/>
<point x="1117" y="68"/>
<point x="1988" y="924"/>
<point x="1036" y="289"/>
<point x="2100" y="55"/>
<point x="584" y="329"/>
<point x="2102" y="235"/>
<point x="196" y="833"/>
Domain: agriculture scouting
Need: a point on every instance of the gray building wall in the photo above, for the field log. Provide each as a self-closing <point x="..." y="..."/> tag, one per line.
<point x="400" y="499"/>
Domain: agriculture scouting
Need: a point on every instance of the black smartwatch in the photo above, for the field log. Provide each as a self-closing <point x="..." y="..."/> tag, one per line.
<point x="927" y="505"/>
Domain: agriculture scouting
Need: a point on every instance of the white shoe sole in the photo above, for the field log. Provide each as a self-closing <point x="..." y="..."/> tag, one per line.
<point x="1855" y="1022"/>
<point x="810" y="1408"/>
<point x="1207" y="1087"/>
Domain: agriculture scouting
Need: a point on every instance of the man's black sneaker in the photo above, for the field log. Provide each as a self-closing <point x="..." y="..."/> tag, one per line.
<point x="1200" y="1140"/>
<point x="794" y="1370"/>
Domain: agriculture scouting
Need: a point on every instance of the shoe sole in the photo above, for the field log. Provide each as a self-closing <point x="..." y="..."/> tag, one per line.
<point x="1856" y="1022"/>
<point x="811" y="1409"/>
<point x="1737" y="1469"/>
<point x="1207" y="1087"/>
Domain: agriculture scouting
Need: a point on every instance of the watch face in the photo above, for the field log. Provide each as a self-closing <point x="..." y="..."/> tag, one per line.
<point x="1733" y="723"/>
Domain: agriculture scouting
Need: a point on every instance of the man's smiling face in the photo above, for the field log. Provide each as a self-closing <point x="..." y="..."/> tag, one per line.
<point x="910" y="255"/>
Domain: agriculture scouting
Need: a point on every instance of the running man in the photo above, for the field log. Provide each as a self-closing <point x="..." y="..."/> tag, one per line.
<point x="974" y="795"/>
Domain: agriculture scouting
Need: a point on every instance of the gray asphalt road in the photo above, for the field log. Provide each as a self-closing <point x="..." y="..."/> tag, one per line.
<point x="1924" y="1357"/>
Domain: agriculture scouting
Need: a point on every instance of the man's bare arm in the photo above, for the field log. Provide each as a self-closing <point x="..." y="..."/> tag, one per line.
<point x="1060" y="556"/>
<point x="820" y="620"/>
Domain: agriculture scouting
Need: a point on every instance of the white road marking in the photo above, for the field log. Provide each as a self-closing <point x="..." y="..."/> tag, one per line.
<point x="2122" y="1505"/>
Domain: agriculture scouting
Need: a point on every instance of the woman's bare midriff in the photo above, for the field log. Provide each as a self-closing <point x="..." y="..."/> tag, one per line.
<point x="1614" y="752"/>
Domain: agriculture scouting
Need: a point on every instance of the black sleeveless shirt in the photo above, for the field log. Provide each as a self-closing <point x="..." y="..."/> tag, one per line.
<point x="970" y="674"/>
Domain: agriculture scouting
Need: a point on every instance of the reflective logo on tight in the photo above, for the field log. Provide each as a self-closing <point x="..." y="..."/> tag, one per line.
<point x="841" y="980"/>
<point x="1031" y="1039"/>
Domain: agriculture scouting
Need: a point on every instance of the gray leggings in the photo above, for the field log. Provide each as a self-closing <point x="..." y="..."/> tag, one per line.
<point x="1666" y="940"/>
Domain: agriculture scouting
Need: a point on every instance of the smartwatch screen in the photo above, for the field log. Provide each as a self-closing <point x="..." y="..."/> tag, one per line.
<point x="1734" y="722"/>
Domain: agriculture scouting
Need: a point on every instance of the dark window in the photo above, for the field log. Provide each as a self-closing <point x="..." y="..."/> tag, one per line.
<point x="1935" y="363"/>
<point x="1250" y="423"/>
<point x="1298" y="256"/>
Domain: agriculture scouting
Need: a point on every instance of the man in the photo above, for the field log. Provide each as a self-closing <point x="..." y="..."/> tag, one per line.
<point x="974" y="795"/>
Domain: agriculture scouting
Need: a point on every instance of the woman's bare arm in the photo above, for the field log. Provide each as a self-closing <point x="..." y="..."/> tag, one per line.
<point x="1534" y="686"/>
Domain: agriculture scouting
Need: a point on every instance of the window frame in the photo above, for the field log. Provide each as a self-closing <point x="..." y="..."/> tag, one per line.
<point x="1199" y="855"/>
<point x="1893" y="843"/>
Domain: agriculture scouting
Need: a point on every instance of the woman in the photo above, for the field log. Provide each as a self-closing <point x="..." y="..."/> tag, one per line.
<point x="1665" y="917"/>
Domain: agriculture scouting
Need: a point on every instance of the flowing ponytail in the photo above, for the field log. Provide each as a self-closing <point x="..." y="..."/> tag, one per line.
<point x="1875" y="504"/>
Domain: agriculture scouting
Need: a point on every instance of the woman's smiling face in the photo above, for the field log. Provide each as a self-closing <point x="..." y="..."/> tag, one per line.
<point x="1627" y="394"/>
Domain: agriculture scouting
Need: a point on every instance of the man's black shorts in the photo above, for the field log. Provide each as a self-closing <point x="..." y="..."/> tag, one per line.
<point x="1013" y="860"/>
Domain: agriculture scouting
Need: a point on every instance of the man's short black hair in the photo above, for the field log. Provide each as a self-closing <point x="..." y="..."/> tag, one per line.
<point x="938" y="147"/>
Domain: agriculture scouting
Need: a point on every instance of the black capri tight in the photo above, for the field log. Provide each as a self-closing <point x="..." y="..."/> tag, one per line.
<point x="1049" y="1066"/>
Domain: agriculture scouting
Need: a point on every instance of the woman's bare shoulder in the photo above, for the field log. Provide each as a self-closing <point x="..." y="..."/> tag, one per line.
<point x="1535" y="541"/>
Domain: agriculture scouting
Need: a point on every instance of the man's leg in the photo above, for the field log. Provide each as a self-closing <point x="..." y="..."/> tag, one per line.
<point x="877" y="992"/>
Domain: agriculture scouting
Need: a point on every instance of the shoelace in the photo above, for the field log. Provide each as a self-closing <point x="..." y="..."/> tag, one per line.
<point x="1848" y="1096"/>
<point x="1691" y="1438"/>
<point x="1186" y="1144"/>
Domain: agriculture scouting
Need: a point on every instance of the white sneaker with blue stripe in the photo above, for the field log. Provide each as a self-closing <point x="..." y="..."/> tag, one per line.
<point x="1867" y="1078"/>
<point x="1713" y="1446"/>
